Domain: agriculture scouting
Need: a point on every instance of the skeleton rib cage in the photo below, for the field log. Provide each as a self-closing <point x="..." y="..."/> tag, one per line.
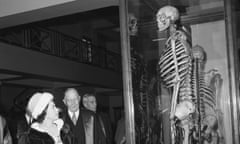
<point x="181" y="60"/>
<point x="174" y="65"/>
<point x="181" y="70"/>
<point x="175" y="60"/>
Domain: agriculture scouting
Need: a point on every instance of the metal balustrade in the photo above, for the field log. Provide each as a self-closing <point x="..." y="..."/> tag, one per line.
<point x="64" y="46"/>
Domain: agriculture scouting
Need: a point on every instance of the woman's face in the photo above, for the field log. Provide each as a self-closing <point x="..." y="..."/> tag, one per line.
<point x="90" y="103"/>
<point x="52" y="111"/>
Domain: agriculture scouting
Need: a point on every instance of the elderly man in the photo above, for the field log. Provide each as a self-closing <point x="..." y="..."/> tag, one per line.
<point x="90" y="103"/>
<point x="83" y="123"/>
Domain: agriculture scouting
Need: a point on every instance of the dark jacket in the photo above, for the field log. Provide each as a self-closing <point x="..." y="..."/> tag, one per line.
<point x="105" y="126"/>
<point x="37" y="137"/>
<point x="78" y="130"/>
<point x="22" y="130"/>
<point x="28" y="135"/>
<point x="120" y="131"/>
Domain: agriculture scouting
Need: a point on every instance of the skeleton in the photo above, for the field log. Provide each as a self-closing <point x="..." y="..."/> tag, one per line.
<point x="175" y="66"/>
<point x="175" y="61"/>
<point x="182" y="70"/>
<point x="206" y="86"/>
<point x="140" y="83"/>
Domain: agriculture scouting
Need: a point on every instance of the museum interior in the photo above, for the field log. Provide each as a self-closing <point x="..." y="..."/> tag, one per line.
<point x="169" y="67"/>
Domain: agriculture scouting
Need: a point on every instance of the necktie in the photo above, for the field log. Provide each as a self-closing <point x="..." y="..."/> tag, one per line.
<point x="74" y="119"/>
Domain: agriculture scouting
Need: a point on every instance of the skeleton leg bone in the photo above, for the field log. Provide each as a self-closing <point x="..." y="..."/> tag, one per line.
<point x="173" y="131"/>
<point x="172" y="113"/>
<point x="174" y="99"/>
<point x="186" y="132"/>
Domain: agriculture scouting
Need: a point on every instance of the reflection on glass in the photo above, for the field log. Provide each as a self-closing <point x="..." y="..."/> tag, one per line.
<point x="180" y="76"/>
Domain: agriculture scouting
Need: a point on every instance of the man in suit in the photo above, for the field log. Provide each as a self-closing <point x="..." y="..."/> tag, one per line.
<point x="90" y="103"/>
<point x="83" y="124"/>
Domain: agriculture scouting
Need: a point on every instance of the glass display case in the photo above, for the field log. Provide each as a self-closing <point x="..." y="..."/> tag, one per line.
<point x="180" y="71"/>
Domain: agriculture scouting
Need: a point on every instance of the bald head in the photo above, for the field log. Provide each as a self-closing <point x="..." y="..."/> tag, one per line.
<point x="70" y="91"/>
<point x="72" y="99"/>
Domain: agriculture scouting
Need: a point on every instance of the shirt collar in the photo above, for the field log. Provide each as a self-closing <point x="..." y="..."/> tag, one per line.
<point x="71" y="113"/>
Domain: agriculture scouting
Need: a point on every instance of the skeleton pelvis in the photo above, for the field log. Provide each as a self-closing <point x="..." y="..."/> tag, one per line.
<point x="184" y="109"/>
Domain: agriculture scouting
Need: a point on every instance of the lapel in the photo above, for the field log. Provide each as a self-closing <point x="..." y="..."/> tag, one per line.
<point x="77" y="130"/>
<point x="101" y="124"/>
<point x="68" y="119"/>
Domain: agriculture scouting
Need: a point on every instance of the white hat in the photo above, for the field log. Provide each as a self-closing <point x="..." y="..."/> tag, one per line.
<point x="38" y="103"/>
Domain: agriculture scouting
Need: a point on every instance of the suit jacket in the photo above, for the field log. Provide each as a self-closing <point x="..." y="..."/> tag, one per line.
<point x="120" y="131"/>
<point x="78" y="130"/>
<point x="105" y="126"/>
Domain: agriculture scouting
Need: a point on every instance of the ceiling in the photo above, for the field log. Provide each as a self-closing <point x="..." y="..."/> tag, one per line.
<point x="27" y="11"/>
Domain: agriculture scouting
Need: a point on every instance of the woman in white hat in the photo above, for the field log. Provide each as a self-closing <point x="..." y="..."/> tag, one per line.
<point x="46" y="125"/>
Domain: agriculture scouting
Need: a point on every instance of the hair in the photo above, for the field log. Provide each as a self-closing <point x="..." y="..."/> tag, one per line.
<point x="87" y="95"/>
<point x="41" y="116"/>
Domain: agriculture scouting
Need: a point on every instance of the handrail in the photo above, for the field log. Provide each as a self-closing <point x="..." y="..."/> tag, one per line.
<point x="61" y="45"/>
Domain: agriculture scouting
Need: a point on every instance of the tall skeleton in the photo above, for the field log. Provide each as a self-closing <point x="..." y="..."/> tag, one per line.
<point x="175" y="66"/>
<point x="181" y="69"/>
<point x="175" y="62"/>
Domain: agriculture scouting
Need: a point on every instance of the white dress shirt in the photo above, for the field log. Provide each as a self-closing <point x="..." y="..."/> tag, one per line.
<point x="71" y="114"/>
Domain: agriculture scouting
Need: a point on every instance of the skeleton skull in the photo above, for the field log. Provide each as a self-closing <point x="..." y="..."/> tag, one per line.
<point x="198" y="52"/>
<point x="165" y="16"/>
<point x="132" y="24"/>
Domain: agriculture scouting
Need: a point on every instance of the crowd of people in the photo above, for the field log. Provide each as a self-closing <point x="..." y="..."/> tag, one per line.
<point x="42" y="122"/>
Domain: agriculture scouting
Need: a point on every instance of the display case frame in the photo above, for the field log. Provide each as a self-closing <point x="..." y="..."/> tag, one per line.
<point x="226" y="17"/>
